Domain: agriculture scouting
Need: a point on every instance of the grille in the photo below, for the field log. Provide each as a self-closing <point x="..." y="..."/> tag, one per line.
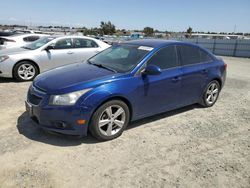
<point x="33" y="99"/>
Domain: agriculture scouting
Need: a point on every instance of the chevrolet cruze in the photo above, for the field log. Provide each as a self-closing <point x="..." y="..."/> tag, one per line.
<point x="125" y="82"/>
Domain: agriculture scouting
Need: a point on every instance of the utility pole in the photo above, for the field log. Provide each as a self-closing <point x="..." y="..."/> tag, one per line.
<point x="235" y="28"/>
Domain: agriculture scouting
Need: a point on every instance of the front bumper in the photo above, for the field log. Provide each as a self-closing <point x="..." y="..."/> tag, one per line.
<point x="60" y="119"/>
<point x="6" y="68"/>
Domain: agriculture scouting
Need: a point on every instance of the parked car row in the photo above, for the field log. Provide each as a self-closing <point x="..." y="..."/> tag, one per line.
<point x="88" y="86"/>
<point x="18" y="40"/>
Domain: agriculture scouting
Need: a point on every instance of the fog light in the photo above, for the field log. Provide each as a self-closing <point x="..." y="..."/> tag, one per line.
<point x="81" y="121"/>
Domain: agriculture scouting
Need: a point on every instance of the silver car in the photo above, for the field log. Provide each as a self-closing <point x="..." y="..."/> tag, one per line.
<point x="26" y="62"/>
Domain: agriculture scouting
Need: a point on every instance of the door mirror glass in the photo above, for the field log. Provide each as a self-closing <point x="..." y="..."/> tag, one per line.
<point x="152" y="70"/>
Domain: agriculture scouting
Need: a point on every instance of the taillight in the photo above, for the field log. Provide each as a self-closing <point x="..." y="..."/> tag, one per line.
<point x="225" y="66"/>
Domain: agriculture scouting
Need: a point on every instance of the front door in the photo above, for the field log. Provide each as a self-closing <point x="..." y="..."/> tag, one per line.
<point x="62" y="54"/>
<point x="159" y="93"/>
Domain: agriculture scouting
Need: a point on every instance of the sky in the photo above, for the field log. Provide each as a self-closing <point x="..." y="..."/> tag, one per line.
<point x="170" y="15"/>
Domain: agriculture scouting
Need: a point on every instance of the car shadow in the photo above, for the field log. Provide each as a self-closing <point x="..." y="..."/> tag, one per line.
<point x="27" y="128"/>
<point x="8" y="80"/>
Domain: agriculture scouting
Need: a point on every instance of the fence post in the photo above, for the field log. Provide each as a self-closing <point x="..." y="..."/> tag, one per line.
<point x="214" y="45"/>
<point x="235" y="47"/>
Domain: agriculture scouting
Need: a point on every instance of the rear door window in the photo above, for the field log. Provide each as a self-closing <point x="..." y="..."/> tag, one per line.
<point x="189" y="54"/>
<point x="64" y="44"/>
<point x="165" y="58"/>
<point x="84" y="43"/>
<point x="30" y="38"/>
<point x="204" y="56"/>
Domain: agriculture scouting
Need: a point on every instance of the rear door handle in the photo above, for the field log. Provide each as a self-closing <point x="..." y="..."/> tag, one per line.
<point x="69" y="52"/>
<point x="176" y="79"/>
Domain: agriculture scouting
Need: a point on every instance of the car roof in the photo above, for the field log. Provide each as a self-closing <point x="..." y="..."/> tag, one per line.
<point x="152" y="42"/>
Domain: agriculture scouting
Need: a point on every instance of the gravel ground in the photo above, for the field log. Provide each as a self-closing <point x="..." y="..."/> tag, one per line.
<point x="189" y="147"/>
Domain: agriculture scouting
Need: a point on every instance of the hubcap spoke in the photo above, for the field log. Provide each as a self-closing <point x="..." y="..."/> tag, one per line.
<point x="119" y="123"/>
<point x="118" y="112"/>
<point x="109" y="130"/>
<point x="215" y="91"/>
<point x="209" y="97"/>
<point x="103" y="122"/>
<point x="109" y="112"/>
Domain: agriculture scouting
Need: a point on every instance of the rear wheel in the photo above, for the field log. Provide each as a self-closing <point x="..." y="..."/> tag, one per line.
<point x="25" y="71"/>
<point x="211" y="93"/>
<point x="109" y="120"/>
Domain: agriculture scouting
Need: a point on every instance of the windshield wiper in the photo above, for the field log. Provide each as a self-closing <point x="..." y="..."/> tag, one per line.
<point x="102" y="66"/>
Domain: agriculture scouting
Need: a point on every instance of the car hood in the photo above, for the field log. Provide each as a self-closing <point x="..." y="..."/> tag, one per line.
<point x="12" y="51"/>
<point x="73" y="77"/>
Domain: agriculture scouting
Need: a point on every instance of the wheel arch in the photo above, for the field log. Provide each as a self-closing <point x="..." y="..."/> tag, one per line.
<point x="121" y="98"/>
<point x="218" y="80"/>
<point x="29" y="60"/>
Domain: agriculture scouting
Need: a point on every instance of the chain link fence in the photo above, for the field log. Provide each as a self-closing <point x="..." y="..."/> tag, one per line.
<point x="226" y="47"/>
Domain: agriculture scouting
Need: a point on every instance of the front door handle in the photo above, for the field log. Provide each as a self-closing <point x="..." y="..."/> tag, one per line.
<point x="176" y="79"/>
<point x="69" y="52"/>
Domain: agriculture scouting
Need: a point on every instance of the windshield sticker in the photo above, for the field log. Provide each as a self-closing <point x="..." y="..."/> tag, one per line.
<point x="145" y="48"/>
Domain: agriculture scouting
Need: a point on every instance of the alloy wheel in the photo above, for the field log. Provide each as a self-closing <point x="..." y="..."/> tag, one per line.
<point x="112" y="120"/>
<point x="26" y="71"/>
<point x="212" y="93"/>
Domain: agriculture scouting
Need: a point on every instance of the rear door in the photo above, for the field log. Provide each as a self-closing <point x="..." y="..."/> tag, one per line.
<point x="194" y="74"/>
<point x="85" y="48"/>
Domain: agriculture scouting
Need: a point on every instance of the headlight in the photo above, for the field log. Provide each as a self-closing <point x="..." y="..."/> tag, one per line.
<point x="67" y="99"/>
<point x="3" y="58"/>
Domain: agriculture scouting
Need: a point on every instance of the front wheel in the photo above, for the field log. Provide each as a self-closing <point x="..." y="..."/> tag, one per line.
<point x="25" y="71"/>
<point x="211" y="94"/>
<point x="109" y="120"/>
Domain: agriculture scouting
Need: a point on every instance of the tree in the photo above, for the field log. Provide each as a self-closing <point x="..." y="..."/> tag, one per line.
<point x="148" y="31"/>
<point x="107" y="28"/>
<point x="189" y="31"/>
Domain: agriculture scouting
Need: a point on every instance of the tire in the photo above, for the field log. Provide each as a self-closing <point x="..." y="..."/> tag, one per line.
<point x="105" y="125"/>
<point x="211" y="94"/>
<point x="25" y="71"/>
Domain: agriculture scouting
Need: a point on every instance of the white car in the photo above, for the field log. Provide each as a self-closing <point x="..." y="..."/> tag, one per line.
<point x="26" y="62"/>
<point x="18" y="40"/>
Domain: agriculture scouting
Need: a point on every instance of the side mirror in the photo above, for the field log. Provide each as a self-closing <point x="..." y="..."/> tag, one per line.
<point x="152" y="70"/>
<point x="50" y="47"/>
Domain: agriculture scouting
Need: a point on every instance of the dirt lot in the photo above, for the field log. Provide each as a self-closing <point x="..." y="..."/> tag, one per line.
<point x="190" y="147"/>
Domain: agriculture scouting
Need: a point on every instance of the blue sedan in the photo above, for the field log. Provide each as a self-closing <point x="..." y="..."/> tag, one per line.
<point x="124" y="83"/>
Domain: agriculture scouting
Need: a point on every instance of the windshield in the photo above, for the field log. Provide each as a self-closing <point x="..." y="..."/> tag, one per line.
<point x="121" y="58"/>
<point x="39" y="43"/>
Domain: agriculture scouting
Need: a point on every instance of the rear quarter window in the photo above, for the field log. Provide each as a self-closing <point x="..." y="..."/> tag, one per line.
<point x="84" y="43"/>
<point x="204" y="56"/>
<point x="189" y="55"/>
<point x="31" y="38"/>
